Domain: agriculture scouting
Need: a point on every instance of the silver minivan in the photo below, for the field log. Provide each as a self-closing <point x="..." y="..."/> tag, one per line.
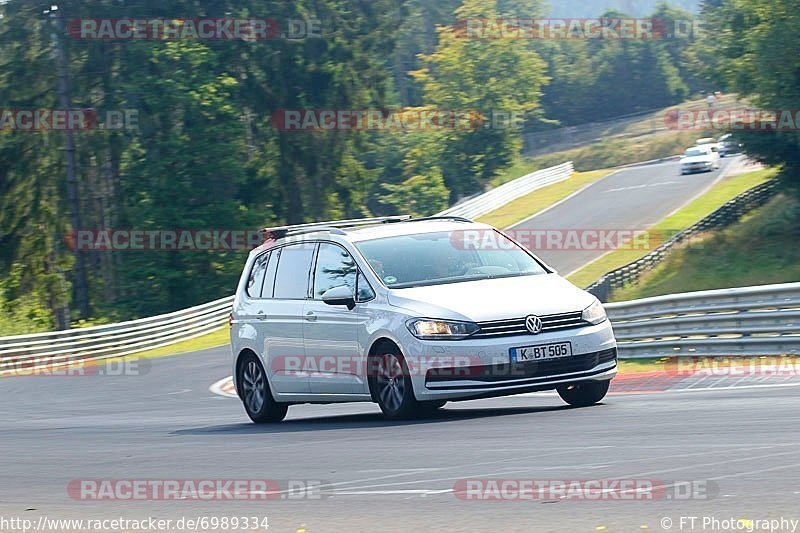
<point x="410" y="314"/>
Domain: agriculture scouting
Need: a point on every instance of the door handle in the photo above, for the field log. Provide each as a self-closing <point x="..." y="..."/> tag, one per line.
<point x="260" y="315"/>
<point x="310" y="316"/>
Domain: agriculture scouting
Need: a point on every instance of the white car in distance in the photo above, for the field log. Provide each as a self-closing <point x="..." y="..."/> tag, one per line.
<point x="701" y="158"/>
<point x="410" y="314"/>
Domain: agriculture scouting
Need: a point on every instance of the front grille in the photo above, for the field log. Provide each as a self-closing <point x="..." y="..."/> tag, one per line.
<point x="521" y="371"/>
<point x="516" y="326"/>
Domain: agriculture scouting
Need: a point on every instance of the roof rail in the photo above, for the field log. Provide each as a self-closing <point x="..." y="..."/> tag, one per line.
<point x="278" y="232"/>
<point x="444" y="217"/>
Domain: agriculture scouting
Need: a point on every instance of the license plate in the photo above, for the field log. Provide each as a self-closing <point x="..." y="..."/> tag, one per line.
<point x="541" y="352"/>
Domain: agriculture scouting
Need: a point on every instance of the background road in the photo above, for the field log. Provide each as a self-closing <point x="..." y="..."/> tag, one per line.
<point x="630" y="199"/>
<point x="393" y="476"/>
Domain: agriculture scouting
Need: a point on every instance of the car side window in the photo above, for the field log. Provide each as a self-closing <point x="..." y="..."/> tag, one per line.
<point x="335" y="267"/>
<point x="294" y="265"/>
<point x="364" y="290"/>
<point x="257" y="275"/>
<point x="269" y="278"/>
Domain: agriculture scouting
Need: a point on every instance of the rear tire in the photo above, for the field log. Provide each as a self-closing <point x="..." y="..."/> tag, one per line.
<point x="584" y="394"/>
<point x="255" y="394"/>
<point x="392" y="386"/>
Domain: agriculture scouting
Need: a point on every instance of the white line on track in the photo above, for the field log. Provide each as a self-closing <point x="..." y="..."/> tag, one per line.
<point x="716" y="463"/>
<point x="642" y="186"/>
<point x="388" y="486"/>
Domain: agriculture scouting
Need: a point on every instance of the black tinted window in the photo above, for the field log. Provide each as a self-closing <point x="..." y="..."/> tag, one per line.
<point x="334" y="267"/>
<point x="257" y="276"/>
<point x="294" y="265"/>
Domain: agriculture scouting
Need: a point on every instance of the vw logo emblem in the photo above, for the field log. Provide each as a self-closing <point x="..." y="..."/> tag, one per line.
<point x="533" y="323"/>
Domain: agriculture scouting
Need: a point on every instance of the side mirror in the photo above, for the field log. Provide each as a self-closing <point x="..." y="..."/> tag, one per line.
<point x="341" y="295"/>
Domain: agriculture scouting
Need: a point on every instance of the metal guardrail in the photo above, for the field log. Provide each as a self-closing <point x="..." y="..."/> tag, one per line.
<point x="760" y="320"/>
<point x="552" y="140"/>
<point x="508" y="192"/>
<point x="726" y="215"/>
<point x="628" y="126"/>
<point x="20" y="353"/>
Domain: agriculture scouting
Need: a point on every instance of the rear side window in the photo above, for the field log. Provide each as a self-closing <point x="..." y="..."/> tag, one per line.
<point x="257" y="276"/>
<point x="269" y="277"/>
<point x="294" y="267"/>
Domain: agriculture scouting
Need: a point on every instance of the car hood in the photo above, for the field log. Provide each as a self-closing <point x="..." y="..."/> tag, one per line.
<point x="696" y="159"/>
<point x="493" y="299"/>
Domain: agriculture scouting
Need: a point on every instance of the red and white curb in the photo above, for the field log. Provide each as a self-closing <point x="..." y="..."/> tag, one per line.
<point x="224" y="387"/>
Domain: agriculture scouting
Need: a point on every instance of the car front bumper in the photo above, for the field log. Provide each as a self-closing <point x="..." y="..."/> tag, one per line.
<point x="474" y="368"/>
<point x="697" y="167"/>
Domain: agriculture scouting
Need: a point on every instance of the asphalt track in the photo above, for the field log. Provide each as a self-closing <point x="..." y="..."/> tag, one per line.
<point x="381" y="476"/>
<point x="162" y="422"/>
<point x="632" y="199"/>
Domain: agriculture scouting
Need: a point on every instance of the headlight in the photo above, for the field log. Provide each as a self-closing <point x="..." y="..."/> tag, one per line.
<point x="427" y="329"/>
<point x="594" y="314"/>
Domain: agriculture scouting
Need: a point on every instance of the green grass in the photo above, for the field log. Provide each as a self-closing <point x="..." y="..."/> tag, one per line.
<point x="666" y="364"/>
<point x="759" y="249"/>
<point x="617" y="152"/>
<point x="694" y="211"/>
<point x="532" y="203"/>
<point x="634" y="366"/>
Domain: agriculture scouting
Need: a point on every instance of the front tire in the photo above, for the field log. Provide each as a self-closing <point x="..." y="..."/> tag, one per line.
<point x="255" y="394"/>
<point x="584" y="394"/>
<point x="392" y="385"/>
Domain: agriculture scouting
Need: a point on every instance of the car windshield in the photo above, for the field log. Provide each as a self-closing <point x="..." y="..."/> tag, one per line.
<point x="447" y="257"/>
<point x="694" y="152"/>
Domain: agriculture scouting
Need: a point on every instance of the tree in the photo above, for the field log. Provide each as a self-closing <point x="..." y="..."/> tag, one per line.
<point x="419" y="195"/>
<point x="752" y="47"/>
<point x="493" y="77"/>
